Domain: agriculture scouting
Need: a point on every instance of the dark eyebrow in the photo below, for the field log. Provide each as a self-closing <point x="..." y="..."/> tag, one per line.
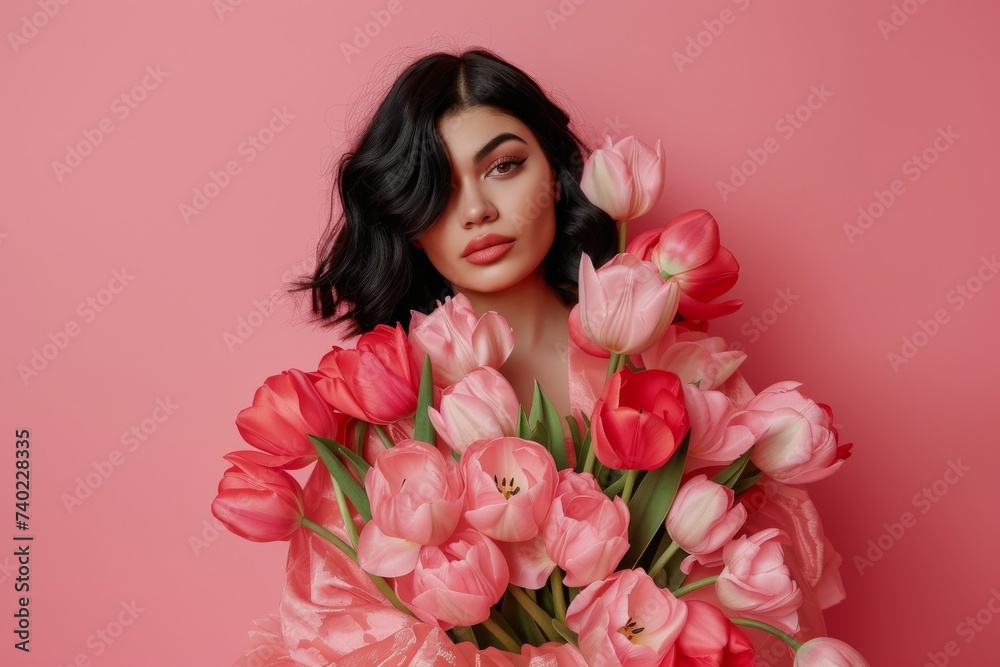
<point x="494" y="142"/>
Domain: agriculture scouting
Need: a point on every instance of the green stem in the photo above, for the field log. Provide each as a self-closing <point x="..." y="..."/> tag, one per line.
<point x="508" y="642"/>
<point x="701" y="583"/>
<point x="464" y="633"/>
<point x="558" y="595"/>
<point x="538" y="615"/>
<point x="664" y="557"/>
<point x="615" y="487"/>
<point x="336" y="541"/>
<point x="588" y="465"/>
<point x="770" y="629"/>
<point x="340" y="544"/>
<point x="386" y="440"/>
<point x="345" y="514"/>
<point x="612" y="364"/>
<point x="621" y="236"/>
<point x="630" y="476"/>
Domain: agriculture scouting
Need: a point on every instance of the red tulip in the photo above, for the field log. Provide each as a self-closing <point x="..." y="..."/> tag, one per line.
<point x="639" y="420"/>
<point x="377" y="381"/>
<point x="256" y="502"/>
<point x="687" y="249"/>
<point x="285" y="410"/>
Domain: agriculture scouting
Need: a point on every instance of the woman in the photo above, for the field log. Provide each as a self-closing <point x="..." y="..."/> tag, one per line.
<point x="466" y="180"/>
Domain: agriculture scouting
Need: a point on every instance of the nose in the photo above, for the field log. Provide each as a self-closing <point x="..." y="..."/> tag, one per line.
<point x="475" y="205"/>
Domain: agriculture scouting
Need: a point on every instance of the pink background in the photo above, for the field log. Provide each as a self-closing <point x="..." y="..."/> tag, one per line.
<point x="144" y="535"/>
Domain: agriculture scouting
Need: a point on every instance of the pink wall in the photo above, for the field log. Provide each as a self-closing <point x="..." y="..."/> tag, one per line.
<point x="161" y="96"/>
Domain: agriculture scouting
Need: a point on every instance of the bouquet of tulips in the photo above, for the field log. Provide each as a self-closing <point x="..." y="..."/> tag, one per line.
<point x="663" y="523"/>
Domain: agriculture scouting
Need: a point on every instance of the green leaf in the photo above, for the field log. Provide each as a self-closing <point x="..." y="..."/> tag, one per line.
<point x="732" y="472"/>
<point x="547" y="415"/>
<point x="574" y="431"/>
<point x="358" y="463"/>
<point x="522" y="424"/>
<point x="651" y="502"/>
<point x="746" y="483"/>
<point x="676" y="577"/>
<point x="521" y="621"/>
<point x="538" y="434"/>
<point x="350" y="486"/>
<point x="423" y="430"/>
<point x="360" y="433"/>
<point x="565" y="632"/>
<point x="504" y="624"/>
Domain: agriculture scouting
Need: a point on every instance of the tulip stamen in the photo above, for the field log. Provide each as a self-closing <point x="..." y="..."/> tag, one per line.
<point x="506" y="487"/>
<point x="629" y="629"/>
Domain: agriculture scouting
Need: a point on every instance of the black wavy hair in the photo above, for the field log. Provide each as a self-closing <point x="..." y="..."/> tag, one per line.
<point x="395" y="184"/>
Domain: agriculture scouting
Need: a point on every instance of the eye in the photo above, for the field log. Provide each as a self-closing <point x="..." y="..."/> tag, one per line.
<point x="507" y="165"/>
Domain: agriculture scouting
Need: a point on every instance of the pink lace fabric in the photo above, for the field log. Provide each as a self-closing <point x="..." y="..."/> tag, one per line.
<point x="332" y="614"/>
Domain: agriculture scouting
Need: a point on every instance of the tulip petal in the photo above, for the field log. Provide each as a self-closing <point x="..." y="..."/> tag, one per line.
<point x="384" y="555"/>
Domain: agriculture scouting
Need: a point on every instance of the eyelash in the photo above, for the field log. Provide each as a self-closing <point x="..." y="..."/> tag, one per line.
<point x="510" y="159"/>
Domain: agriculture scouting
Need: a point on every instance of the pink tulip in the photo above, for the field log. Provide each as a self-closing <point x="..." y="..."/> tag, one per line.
<point x="694" y="357"/>
<point x="456" y="582"/>
<point x="256" y="502"/>
<point x="586" y="533"/>
<point x="529" y="562"/>
<point x="458" y="341"/>
<point x="828" y="652"/>
<point x="625" y="179"/>
<point x="626" y="620"/>
<point x="800" y="445"/>
<point x="771" y="504"/>
<point x="702" y="517"/>
<point x="509" y="486"/>
<point x="720" y="433"/>
<point x="687" y="249"/>
<point x="709" y="639"/>
<point x="285" y="410"/>
<point x="639" y="420"/>
<point x="480" y="406"/>
<point x="377" y="381"/>
<point x="625" y="306"/>
<point x="416" y="499"/>
<point x="756" y="583"/>
<point x="579" y="336"/>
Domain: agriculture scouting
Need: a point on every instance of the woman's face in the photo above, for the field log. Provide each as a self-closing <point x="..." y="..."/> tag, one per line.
<point x="499" y="222"/>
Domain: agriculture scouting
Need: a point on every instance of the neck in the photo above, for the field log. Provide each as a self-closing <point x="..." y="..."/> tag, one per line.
<point x="532" y="308"/>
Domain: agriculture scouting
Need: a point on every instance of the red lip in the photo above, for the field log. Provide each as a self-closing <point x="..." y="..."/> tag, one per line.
<point x="485" y="241"/>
